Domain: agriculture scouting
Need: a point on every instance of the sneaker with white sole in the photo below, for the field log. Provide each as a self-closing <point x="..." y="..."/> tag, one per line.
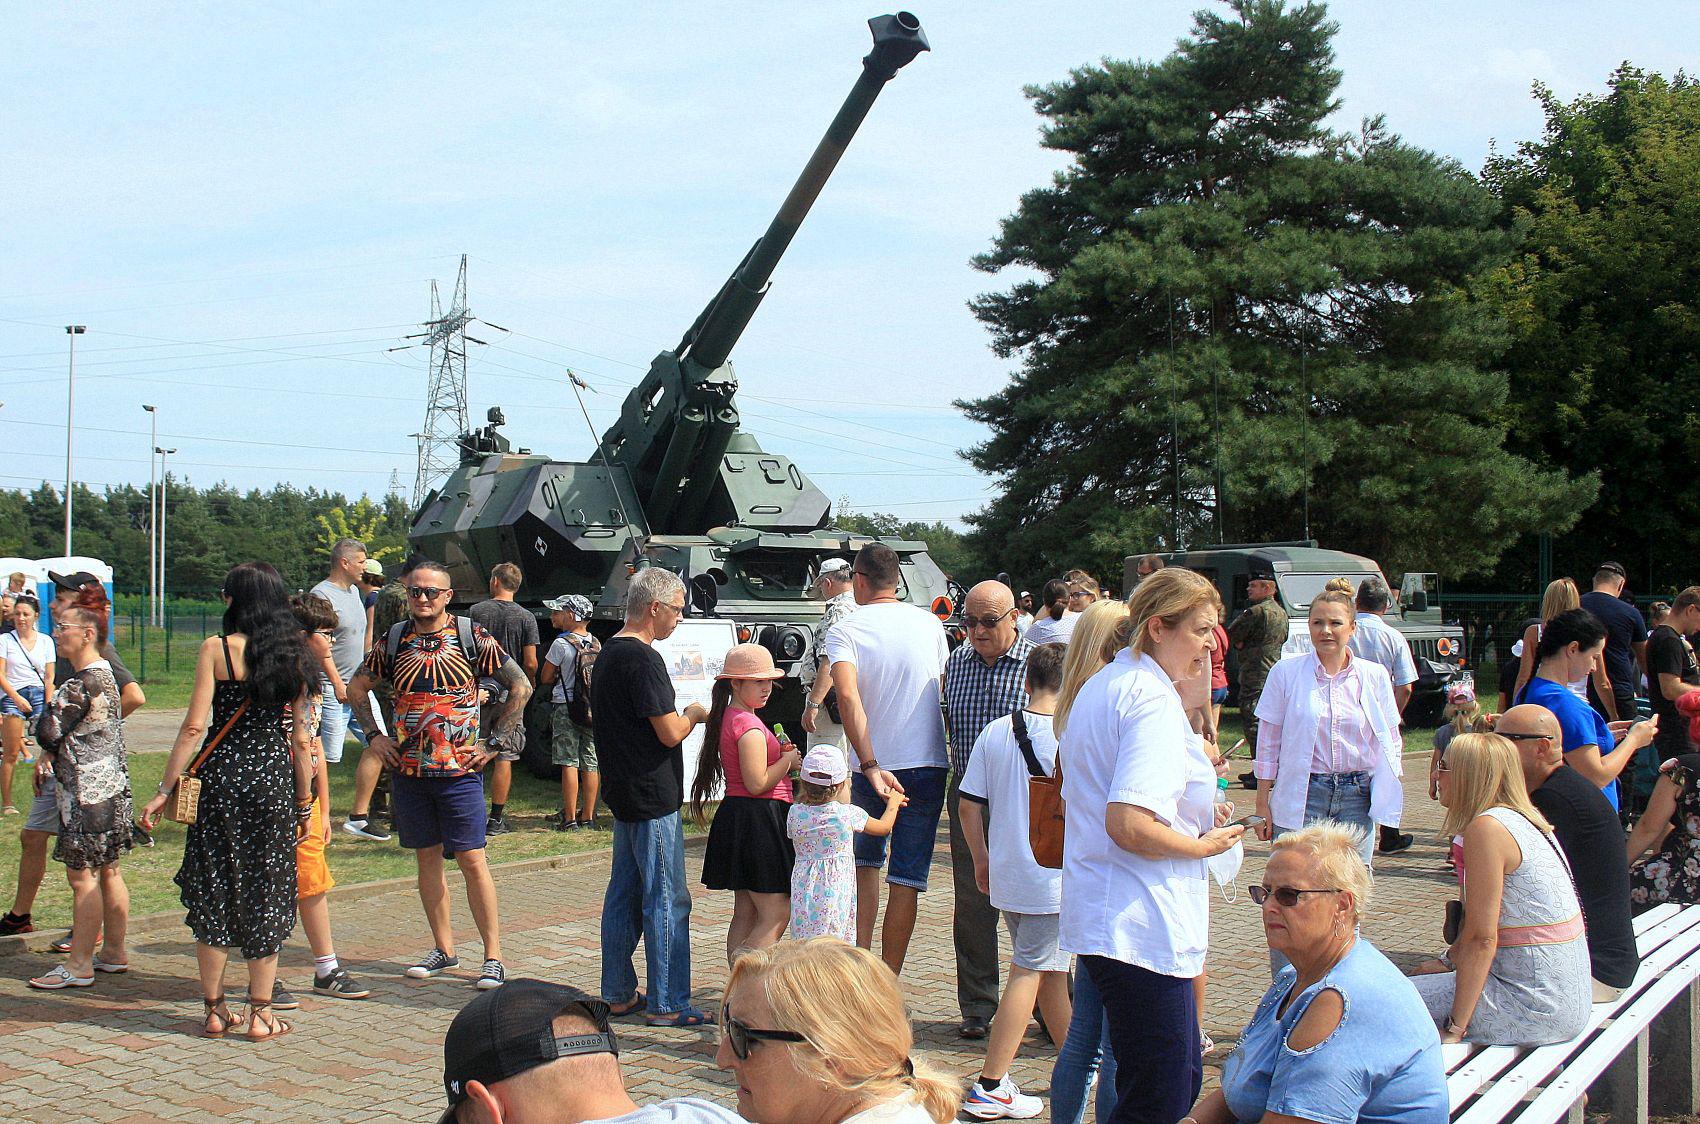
<point x="431" y="963"/>
<point x="365" y="829"/>
<point x="283" y="999"/>
<point x="1004" y="1102"/>
<point x="493" y="976"/>
<point x="339" y="985"/>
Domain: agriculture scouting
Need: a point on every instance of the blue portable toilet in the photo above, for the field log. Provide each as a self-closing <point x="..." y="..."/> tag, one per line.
<point x="69" y="565"/>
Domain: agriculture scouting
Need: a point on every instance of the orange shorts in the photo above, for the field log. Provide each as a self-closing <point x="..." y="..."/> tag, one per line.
<point x="312" y="873"/>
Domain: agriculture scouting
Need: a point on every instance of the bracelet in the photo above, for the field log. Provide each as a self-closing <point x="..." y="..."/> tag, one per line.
<point x="811" y="705"/>
<point x="165" y="787"/>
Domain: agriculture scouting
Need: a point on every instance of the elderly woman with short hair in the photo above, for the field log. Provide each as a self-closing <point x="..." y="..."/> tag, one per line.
<point x="1301" y="1057"/>
<point x="815" y="1032"/>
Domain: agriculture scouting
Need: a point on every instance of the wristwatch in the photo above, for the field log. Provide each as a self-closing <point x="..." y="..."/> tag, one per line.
<point x="870" y="763"/>
<point x="1452" y="1026"/>
<point x="811" y="705"/>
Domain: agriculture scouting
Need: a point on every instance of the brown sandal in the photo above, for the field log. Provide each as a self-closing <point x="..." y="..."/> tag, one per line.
<point x="216" y="1009"/>
<point x="277" y="1027"/>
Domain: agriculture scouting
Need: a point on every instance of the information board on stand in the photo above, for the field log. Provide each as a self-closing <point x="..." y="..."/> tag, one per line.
<point x="695" y="653"/>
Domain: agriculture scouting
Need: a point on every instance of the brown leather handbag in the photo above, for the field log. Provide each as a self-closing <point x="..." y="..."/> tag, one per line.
<point x="185" y="804"/>
<point x="1045" y="806"/>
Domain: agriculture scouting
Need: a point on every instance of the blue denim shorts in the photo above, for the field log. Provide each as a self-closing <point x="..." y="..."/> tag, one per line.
<point x="37" y="700"/>
<point x="917" y="827"/>
<point x="439" y="811"/>
<point x="1218" y="696"/>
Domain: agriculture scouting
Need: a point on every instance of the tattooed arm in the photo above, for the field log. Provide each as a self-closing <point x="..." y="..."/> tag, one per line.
<point x="518" y="686"/>
<point x="360" y="702"/>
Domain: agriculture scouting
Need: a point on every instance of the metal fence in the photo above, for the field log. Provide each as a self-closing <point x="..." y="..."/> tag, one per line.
<point x="184" y="620"/>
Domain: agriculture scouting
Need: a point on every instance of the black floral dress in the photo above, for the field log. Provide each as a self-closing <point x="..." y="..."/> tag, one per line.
<point x="238" y="873"/>
<point x="1673" y="873"/>
<point x="83" y="729"/>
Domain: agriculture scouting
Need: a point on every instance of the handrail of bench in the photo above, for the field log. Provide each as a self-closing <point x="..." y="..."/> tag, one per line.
<point x="1497" y="1101"/>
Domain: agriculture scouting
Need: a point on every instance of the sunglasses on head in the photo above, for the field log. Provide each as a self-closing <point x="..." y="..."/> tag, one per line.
<point x="1285" y="896"/>
<point x="741" y="1036"/>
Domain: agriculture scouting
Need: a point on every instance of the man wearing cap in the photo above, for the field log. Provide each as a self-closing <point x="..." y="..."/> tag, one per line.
<point x="341" y="588"/>
<point x="42" y="823"/>
<point x="832" y="585"/>
<point x="1377" y="641"/>
<point x="537" y="1051"/>
<point x="572" y="744"/>
<point x="1626" y="641"/>
<point x="1257" y="635"/>
<point x="371" y="582"/>
<point x="984" y="680"/>
<point x="1023" y="613"/>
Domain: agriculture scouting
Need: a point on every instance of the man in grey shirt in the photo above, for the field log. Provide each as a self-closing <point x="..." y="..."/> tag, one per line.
<point x="515" y="629"/>
<point x="348" y="643"/>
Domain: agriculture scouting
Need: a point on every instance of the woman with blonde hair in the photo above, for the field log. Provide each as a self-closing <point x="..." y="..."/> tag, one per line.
<point x="815" y="1032"/>
<point x="1517" y="972"/>
<point x="1561" y="597"/>
<point x="1328" y="743"/>
<point x="1142" y="819"/>
<point x="1083" y="590"/>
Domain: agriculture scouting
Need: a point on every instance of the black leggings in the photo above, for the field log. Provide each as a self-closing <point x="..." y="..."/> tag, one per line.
<point x="1154" y="1033"/>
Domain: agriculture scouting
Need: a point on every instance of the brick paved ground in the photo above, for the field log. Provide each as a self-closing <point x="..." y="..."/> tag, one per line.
<point x="124" y="1049"/>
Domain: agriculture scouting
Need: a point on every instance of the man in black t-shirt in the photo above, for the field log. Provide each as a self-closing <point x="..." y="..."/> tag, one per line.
<point x="638" y="739"/>
<point x="515" y="629"/>
<point x="1592" y="839"/>
<point x="1672" y="672"/>
<point x="1626" y="642"/>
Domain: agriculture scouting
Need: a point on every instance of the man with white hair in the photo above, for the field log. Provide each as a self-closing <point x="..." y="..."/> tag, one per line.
<point x="639" y="734"/>
<point x="832" y="585"/>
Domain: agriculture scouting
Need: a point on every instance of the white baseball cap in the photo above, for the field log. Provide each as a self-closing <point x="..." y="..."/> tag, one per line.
<point x="825" y="764"/>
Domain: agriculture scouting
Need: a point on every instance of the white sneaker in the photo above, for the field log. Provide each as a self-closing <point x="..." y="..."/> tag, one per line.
<point x="1006" y="1101"/>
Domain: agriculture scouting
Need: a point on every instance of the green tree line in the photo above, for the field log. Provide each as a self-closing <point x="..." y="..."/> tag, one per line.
<point x="208" y="530"/>
<point x="1234" y="322"/>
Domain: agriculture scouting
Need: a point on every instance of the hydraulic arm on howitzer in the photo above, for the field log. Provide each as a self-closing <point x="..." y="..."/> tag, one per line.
<point x="676" y="425"/>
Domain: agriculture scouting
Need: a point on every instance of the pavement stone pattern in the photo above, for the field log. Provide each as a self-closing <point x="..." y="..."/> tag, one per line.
<point x="126" y="1050"/>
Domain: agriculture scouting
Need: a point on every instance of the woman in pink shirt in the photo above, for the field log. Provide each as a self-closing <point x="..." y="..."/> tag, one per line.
<point x="748" y="850"/>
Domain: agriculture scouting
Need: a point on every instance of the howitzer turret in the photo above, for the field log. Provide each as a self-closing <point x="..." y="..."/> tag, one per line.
<point x="675" y="482"/>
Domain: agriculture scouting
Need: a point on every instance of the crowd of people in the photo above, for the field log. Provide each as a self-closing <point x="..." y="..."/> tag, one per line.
<point x="1114" y="705"/>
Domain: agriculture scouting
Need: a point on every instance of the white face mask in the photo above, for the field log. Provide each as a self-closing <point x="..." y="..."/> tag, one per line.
<point x="1225" y="869"/>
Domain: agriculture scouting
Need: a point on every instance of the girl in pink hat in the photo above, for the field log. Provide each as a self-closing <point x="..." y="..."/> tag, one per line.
<point x="748" y="851"/>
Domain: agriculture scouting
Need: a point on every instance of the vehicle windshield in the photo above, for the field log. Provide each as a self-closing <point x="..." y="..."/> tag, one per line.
<point x="1299" y="590"/>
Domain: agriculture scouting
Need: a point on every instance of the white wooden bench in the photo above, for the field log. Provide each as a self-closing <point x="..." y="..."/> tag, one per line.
<point x="1541" y="1085"/>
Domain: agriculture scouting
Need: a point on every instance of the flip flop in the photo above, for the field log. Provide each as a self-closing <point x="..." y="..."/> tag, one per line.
<point x="107" y="966"/>
<point x="687" y="1017"/>
<point x="638" y="1003"/>
<point x="60" y="978"/>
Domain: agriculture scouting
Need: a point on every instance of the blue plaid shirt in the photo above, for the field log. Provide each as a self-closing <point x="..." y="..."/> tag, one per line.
<point x="975" y="695"/>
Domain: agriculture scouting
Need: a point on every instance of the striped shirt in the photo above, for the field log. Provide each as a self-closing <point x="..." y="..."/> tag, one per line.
<point x="975" y="695"/>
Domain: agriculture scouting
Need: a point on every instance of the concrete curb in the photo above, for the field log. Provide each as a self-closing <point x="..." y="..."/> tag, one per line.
<point x="356" y="891"/>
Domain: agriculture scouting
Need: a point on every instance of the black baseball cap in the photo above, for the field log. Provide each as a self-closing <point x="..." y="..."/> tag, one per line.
<point x="72" y="582"/>
<point x="507" y="1031"/>
<point x="1615" y="568"/>
<point x="1259" y="570"/>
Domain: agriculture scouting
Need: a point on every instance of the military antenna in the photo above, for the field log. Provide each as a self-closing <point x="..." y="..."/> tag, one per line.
<point x="445" y="395"/>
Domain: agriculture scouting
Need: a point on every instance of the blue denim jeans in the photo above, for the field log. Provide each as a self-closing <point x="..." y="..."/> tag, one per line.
<point x="1085" y="1052"/>
<point x="647" y="898"/>
<point x="1343" y="798"/>
<point x="333" y="725"/>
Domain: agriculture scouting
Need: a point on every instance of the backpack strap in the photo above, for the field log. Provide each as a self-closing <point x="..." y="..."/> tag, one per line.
<point x="1018" y="725"/>
<point x="468" y="641"/>
<point x="392" y="643"/>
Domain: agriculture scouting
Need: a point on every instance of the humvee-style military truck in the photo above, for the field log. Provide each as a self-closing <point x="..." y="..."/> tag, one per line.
<point x="1302" y="569"/>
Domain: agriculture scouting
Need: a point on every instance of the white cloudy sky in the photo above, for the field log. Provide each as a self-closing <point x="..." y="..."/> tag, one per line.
<point x="245" y="203"/>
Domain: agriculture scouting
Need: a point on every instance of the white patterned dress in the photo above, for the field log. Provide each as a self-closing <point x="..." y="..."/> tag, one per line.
<point x="823" y="879"/>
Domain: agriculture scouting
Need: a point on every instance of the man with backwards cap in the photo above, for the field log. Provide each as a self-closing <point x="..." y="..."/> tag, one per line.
<point x="536" y="1051"/>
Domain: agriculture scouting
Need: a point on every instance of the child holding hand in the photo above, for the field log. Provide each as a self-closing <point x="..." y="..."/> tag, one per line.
<point x="822" y="825"/>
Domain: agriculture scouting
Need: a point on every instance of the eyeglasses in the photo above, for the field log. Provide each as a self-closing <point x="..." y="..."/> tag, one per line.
<point x="63" y="625"/>
<point x="740" y="1036"/>
<point x="679" y="608"/>
<point x="425" y="592"/>
<point x="1443" y="767"/>
<point x="1073" y="593"/>
<point x="1285" y="896"/>
<point x="986" y="622"/>
<point x="1523" y="737"/>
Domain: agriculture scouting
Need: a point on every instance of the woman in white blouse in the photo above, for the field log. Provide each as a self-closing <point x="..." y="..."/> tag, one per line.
<point x="1142" y="820"/>
<point x="1328" y="743"/>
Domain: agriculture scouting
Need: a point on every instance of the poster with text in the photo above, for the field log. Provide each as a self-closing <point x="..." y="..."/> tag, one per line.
<point x="695" y="653"/>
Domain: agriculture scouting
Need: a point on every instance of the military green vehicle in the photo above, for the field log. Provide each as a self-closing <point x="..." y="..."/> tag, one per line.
<point x="1302" y="570"/>
<point x="675" y="482"/>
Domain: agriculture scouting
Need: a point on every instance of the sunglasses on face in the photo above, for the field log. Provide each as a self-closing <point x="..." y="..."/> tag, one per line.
<point x="1285" y="896"/>
<point x="425" y="592"/>
<point x="985" y="622"/>
<point x="1523" y="737"/>
<point x="740" y="1036"/>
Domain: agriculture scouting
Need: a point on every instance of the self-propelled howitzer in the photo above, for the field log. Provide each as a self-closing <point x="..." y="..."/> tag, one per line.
<point x="675" y="482"/>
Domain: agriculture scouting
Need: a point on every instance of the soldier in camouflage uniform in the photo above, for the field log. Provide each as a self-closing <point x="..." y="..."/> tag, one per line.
<point x="1257" y="635"/>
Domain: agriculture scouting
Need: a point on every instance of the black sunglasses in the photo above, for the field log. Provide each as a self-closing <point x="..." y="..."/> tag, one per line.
<point x="740" y="1037"/>
<point x="986" y="622"/>
<point x="1523" y="737"/>
<point x="1285" y="896"/>
<point x="425" y="592"/>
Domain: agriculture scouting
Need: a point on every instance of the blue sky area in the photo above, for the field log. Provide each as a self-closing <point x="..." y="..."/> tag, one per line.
<point x="246" y="203"/>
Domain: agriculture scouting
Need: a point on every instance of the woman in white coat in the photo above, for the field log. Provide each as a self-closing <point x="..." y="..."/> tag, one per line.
<point x="1328" y="743"/>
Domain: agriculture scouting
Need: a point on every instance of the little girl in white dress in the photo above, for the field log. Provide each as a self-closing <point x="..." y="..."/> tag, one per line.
<point x="821" y="825"/>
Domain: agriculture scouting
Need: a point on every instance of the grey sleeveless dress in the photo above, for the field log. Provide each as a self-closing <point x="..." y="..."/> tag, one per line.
<point x="1535" y="994"/>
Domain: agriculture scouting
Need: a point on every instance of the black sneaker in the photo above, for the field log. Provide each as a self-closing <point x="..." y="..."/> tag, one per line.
<point x="282" y="1000"/>
<point x="365" y="829"/>
<point x="492" y="976"/>
<point x="589" y="825"/>
<point x="1393" y="840"/>
<point x="431" y="963"/>
<point x="12" y="924"/>
<point x="339" y="985"/>
<point x="498" y="825"/>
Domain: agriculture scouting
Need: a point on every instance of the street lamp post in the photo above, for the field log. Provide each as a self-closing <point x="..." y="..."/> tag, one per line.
<point x="72" y="330"/>
<point x="153" y="519"/>
<point x="164" y="490"/>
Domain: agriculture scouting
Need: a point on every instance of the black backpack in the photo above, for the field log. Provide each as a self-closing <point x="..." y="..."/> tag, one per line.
<point x="584" y="661"/>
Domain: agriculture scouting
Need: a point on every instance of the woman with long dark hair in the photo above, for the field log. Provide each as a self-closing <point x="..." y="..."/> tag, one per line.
<point x="1054" y="624"/>
<point x="238" y="875"/>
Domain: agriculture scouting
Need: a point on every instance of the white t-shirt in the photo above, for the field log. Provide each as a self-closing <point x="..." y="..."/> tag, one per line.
<point x="1044" y="630"/>
<point x="898" y="651"/>
<point x="997" y="777"/>
<point x="678" y="1110"/>
<point x="563" y="654"/>
<point x="1128" y="742"/>
<point x="904" y="1111"/>
<point x="26" y="672"/>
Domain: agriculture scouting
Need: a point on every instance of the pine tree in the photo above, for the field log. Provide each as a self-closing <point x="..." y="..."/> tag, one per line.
<point x="1232" y="309"/>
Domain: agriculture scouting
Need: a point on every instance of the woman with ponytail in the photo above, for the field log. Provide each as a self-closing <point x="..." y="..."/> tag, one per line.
<point x="1054" y="624"/>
